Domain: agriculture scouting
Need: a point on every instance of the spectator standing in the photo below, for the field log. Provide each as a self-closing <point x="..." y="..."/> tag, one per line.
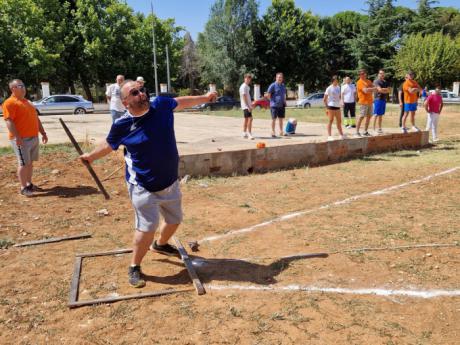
<point x="401" y="103"/>
<point x="117" y="109"/>
<point x="23" y="126"/>
<point x="141" y="83"/>
<point x="332" y="102"/>
<point x="365" y="89"/>
<point x="380" y="99"/>
<point x="411" y="90"/>
<point x="277" y="95"/>
<point x="348" y="97"/>
<point x="245" y="99"/>
<point x="433" y="106"/>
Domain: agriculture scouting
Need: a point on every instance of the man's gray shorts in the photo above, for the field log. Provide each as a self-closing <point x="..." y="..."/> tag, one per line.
<point x="149" y="205"/>
<point x="27" y="152"/>
<point x="365" y="110"/>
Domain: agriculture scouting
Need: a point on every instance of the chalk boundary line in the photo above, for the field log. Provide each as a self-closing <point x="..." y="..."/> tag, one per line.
<point x="425" y="294"/>
<point x="323" y="207"/>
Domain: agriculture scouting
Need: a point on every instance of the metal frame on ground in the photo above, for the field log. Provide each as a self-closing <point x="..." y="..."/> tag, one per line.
<point x="75" y="282"/>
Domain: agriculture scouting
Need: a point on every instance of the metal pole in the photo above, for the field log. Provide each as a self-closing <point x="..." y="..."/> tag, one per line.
<point x="154" y="51"/>
<point x="167" y="69"/>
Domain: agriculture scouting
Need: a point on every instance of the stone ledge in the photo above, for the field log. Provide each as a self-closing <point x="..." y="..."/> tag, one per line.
<point x="227" y="163"/>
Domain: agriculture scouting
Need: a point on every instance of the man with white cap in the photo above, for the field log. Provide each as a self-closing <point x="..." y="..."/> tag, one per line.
<point x="141" y="84"/>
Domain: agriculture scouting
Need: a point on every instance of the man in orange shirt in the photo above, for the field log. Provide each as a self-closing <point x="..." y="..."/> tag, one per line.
<point x="23" y="125"/>
<point x="365" y="89"/>
<point x="411" y="89"/>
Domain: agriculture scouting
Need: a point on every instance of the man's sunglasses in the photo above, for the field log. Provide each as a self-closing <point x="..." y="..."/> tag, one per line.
<point x="20" y="86"/>
<point x="135" y="92"/>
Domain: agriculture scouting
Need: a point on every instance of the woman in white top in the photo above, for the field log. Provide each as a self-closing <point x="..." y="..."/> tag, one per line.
<point x="332" y="103"/>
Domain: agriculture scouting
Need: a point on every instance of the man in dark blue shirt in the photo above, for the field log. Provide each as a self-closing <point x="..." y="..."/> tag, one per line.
<point x="277" y="95"/>
<point x="146" y="131"/>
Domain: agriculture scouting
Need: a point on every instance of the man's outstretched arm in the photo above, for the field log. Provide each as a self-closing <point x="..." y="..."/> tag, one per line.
<point x="190" y="101"/>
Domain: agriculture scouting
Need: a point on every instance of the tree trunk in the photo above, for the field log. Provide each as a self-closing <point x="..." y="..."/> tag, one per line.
<point x="87" y="89"/>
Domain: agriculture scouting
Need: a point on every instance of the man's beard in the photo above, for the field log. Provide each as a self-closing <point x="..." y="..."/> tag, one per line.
<point x="142" y="103"/>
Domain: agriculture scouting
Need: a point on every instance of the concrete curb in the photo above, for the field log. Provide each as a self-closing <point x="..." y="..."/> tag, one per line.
<point x="227" y="163"/>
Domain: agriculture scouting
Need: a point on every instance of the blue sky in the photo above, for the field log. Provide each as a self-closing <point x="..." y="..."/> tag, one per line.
<point x="193" y="14"/>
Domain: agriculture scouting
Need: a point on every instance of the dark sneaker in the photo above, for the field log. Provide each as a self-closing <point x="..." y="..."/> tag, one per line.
<point x="165" y="249"/>
<point x="134" y="275"/>
<point x="27" y="191"/>
<point x="366" y="134"/>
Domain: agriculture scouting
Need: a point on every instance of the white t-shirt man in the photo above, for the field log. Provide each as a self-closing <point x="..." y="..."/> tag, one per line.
<point x="244" y="94"/>
<point x="333" y="96"/>
<point x="114" y="92"/>
<point x="348" y="93"/>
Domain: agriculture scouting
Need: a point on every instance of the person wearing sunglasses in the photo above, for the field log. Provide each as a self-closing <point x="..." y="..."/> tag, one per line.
<point x="23" y="126"/>
<point x="152" y="162"/>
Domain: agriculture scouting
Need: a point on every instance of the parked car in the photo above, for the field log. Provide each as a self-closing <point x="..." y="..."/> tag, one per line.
<point x="449" y="97"/>
<point x="314" y="99"/>
<point x="262" y="103"/>
<point x="59" y="104"/>
<point x="222" y="103"/>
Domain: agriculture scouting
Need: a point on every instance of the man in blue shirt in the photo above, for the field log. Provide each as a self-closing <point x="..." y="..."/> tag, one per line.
<point x="277" y="94"/>
<point x="146" y="131"/>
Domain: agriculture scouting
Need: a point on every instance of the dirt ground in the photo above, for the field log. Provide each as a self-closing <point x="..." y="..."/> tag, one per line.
<point x="35" y="281"/>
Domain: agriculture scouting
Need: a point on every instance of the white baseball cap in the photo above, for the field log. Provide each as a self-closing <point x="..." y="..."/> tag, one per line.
<point x="140" y="79"/>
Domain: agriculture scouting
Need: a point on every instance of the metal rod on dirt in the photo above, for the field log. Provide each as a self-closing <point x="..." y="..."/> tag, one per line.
<point x="85" y="163"/>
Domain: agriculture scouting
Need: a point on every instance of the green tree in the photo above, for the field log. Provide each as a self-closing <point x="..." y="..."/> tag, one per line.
<point x="287" y="40"/>
<point x="337" y="34"/>
<point x="190" y="63"/>
<point x="434" y="58"/>
<point x="30" y="40"/>
<point x="376" y="43"/>
<point x="226" y="47"/>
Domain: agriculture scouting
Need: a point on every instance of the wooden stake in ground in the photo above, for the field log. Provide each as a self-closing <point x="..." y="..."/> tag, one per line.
<point x="189" y="266"/>
<point x="86" y="164"/>
<point x="52" y="240"/>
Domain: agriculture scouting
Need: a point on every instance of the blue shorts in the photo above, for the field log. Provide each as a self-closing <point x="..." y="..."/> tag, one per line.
<point x="379" y="107"/>
<point x="410" y="106"/>
<point x="277" y="112"/>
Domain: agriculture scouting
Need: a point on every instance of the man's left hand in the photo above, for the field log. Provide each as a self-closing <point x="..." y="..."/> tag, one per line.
<point x="44" y="138"/>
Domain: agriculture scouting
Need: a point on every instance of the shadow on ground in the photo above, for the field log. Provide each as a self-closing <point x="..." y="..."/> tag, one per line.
<point x="231" y="270"/>
<point x="66" y="192"/>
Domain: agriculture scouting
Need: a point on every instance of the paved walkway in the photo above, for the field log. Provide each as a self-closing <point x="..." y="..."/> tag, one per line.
<point x="195" y="133"/>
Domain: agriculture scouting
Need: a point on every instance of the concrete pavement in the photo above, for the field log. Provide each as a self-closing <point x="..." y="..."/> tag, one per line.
<point x="195" y="133"/>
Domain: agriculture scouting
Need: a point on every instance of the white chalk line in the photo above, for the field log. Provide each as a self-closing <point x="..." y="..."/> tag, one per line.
<point x="323" y="207"/>
<point x="314" y="289"/>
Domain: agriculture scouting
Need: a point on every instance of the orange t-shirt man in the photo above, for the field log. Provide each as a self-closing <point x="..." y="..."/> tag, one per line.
<point x="364" y="98"/>
<point x="410" y="98"/>
<point x="24" y="116"/>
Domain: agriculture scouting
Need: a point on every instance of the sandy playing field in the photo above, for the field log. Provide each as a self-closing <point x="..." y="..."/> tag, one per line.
<point x="259" y="238"/>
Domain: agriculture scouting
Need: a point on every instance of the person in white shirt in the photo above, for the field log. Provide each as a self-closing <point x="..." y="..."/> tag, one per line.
<point x="349" y="103"/>
<point x="117" y="109"/>
<point x="246" y="106"/>
<point x="332" y="103"/>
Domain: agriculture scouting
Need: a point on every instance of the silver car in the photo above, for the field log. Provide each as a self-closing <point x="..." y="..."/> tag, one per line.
<point x="60" y="104"/>
<point x="314" y="99"/>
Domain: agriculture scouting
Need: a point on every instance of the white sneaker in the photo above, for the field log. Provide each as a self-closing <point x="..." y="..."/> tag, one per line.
<point x="358" y="135"/>
<point x="380" y="131"/>
<point x="415" y="129"/>
<point x="250" y="136"/>
<point x="330" y="138"/>
<point x="343" y="137"/>
<point x="245" y="135"/>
